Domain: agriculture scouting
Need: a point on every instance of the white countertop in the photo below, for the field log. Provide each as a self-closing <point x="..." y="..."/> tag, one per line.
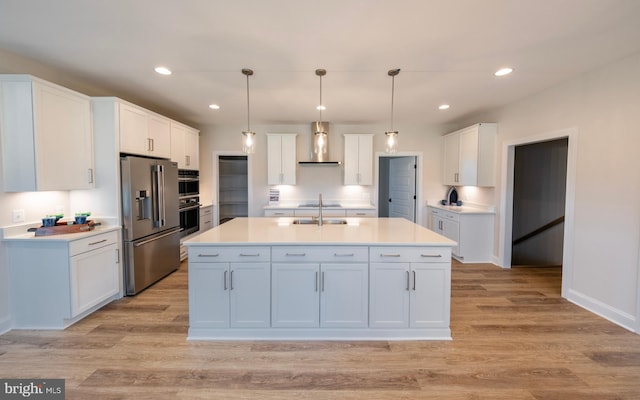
<point x="19" y="233"/>
<point x="464" y="209"/>
<point x="358" y="231"/>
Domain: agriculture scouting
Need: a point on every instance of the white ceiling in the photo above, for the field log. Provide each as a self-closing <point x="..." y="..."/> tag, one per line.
<point x="447" y="51"/>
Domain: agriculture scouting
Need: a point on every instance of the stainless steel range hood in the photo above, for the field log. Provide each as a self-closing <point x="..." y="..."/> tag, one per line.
<point x="319" y="151"/>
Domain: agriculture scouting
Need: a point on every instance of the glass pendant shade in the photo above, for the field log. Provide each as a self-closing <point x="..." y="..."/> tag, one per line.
<point x="249" y="142"/>
<point x="391" y="142"/>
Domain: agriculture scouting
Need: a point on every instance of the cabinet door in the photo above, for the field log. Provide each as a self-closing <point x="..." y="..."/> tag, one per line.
<point x="451" y="159"/>
<point x="178" y="151"/>
<point x="62" y="125"/>
<point x="389" y="295"/>
<point x="209" y="295"/>
<point x="295" y="300"/>
<point x="281" y="159"/>
<point x="192" y="149"/>
<point x="430" y="295"/>
<point x="134" y="128"/>
<point x="250" y="291"/>
<point x="344" y="292"/>
<point x="451" y="229"/>
<point x="159" y="136"/>
<point x="358" y="159"/>
<point x="468" y="156"/>
<point x="93" y="278"/>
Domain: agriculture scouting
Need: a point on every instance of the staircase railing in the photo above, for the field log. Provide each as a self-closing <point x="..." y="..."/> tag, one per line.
<point x="538" y="231"/>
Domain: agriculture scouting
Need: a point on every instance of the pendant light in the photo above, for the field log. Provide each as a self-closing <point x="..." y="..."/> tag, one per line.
<point x="392" y="136"/>
<point x="248" y="142"/>
<point x="320" y="133"/>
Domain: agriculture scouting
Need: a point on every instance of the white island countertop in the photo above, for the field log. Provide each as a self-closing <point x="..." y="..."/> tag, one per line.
<point x="282" y="231"/>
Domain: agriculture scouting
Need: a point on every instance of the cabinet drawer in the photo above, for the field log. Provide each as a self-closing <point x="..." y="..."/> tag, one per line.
<point x="229" y="254"/>
<point x="409" y="254"/>
<point x="278" y="213"/>
<point x="204" y="211"/>
<point x="362" y="213"/>
<point x="92" y="242"/>
<point x="341" y="254"/>
<point x="445" y="214"/>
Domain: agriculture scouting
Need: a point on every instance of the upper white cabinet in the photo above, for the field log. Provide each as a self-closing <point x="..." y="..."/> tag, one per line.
<point x="143" y="132"/>
<point x="469" y="156"/>
<point x="185" y="143"/>
<point x="47" y="140"/>
<point x="358" y="159"/>
<point x="281" y="158"/>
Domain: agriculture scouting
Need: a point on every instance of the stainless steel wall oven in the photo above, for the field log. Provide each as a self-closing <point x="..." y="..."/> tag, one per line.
<point x="189" y="201"/>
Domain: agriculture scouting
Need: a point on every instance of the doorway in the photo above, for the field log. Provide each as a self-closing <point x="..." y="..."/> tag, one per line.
<point x="506" y="200"/>
<point x="231" y="186"/>
<point x="397" y="187"/>
<point x="539" y="190"/>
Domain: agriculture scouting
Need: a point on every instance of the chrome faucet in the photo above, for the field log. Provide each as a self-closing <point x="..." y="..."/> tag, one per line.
<point x="320" y="209"/>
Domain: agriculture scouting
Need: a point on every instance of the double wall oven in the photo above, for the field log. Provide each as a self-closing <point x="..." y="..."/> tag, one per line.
<point x="189" y="201"/>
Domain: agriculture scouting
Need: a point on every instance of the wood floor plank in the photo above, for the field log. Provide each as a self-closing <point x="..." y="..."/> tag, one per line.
<point x="514" y="337"/>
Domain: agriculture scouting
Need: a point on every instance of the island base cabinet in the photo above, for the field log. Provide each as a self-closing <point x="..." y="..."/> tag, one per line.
<point x="389" y="295"/>
<point x="309" y="295"/>
<point x="229" y="295"/>
<point x="430" y="293"/>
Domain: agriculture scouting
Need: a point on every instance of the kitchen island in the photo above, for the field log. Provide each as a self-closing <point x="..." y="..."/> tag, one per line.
<point x="348" y="279"/>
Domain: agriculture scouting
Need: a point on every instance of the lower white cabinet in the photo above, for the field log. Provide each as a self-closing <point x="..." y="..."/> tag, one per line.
<point x="310" y="295"/>
<point x="56" y="282"/>
<point x="229" y="287"/>
<point x="409" y="290"/>
<point x="473" y="231"/>
<point x="319" y="292"/>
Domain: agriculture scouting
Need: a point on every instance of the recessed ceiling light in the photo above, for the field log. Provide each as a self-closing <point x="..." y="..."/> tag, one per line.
<point x="163" y="70"/>
<point x="321" y="108"/>
<point x="443" y="107"/>
<point x="503" y="71"/>
<point x="214" y="106"/>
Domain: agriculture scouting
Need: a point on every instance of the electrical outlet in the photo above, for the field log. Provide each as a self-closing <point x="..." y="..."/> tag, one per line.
<point x="17" y="216"/>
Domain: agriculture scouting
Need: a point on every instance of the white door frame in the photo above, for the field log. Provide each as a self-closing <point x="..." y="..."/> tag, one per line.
<point x="215" y="180"/>
<point x="506" y="199"/>
<point x="376" y="177"/>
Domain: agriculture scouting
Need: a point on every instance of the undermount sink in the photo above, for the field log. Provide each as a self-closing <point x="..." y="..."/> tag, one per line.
<point x="314" y="221"/>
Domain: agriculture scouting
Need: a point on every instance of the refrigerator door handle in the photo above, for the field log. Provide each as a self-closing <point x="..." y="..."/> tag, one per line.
<point x="156" y="238"/>
<point x="161" y="199"/>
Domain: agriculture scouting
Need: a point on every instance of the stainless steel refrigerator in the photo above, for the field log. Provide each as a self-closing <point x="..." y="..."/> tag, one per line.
<point x="151" y="221"/>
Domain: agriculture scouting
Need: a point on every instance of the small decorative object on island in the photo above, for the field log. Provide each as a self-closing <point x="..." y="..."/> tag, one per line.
<point x="392" y="136"/>
<point x="248" y="144"/>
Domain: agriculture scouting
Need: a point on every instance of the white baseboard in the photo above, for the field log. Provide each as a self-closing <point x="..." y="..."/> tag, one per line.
<point x="607" y="312"/>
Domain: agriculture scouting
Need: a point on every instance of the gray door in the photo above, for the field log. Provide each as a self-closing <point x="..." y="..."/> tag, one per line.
<point x="402" y="188"/>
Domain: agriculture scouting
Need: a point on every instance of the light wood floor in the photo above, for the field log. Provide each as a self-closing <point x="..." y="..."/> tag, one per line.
<point x="513" y="338"/>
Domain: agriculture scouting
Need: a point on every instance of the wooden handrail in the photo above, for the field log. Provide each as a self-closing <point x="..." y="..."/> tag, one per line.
<point x="538" y="231"/>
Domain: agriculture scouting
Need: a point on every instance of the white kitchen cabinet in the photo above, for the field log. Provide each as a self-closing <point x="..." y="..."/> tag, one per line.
<point x="143" y="132"/>
<point x="229" y="287"/>
<point x="185" y="146"/>
<point x="320" y="286"/>
<point x="358" y="159"/>
<point x="410" y="288"/>
<point x="206" y="218"/>
<point x="281" y="158"/>
<point x="58" y="282"/>
<point x="46" y="133"/>
<point x="469" y="156"/>
<point x="473" y="231"/>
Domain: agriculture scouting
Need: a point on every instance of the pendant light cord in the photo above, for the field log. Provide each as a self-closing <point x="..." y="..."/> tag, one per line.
<point x="248" y="108"/>
<point x="393" y="81"/>
<point x="320" y="105"/>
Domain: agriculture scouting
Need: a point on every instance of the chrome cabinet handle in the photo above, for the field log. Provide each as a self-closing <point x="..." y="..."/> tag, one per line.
<point x="408" y="280"/>
<point x="343" y="255"/>
<point x="316" y="281"/>
<point x="231" y="281"/>
<point x="389" y="255"/>
<point x="323" y="281"/>
<point x="414" y="280"/>
<point x="98" y="242"/>
<point x="225" y="279"/>
<point x="249" y="255"/>
<point x="90" y="175"/>
<point x="431" y="255"/>
<point x="296" y="254"/>
<point x="208" y="255"/>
